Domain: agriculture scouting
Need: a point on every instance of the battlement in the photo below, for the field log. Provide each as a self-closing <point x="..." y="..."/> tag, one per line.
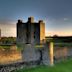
<point x="31" y="19"/>
<point x="19" y="21"/>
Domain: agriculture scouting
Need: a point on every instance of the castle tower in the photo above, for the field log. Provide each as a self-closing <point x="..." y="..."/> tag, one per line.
<point x="30" y="32"/>
<point x="42" y="31"/>
<point x="21" y="32"/>
<point x="31" y="19"/>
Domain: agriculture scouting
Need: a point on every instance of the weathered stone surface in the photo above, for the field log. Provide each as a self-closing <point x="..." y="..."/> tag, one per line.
<point x="46" y="56"/>
<point x="30" y="53"/>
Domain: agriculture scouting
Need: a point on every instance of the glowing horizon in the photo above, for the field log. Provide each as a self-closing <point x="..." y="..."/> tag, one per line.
<point x="58" y="33"/>
<point x="10" y="30"/>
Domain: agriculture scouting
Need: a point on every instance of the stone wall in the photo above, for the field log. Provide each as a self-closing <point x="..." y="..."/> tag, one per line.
<point x="31" y="53"/>
<point x="62" y="53"/>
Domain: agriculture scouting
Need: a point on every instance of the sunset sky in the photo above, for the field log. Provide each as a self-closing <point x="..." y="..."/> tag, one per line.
<point x="57" y="14"/>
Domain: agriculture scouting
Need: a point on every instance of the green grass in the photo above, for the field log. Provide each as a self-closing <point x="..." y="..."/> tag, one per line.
<point x="65" y="66"/>
<point x="5" y="46"/>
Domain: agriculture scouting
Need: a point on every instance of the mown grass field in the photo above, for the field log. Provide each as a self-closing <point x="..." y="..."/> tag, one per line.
<point x="65" y="66"/>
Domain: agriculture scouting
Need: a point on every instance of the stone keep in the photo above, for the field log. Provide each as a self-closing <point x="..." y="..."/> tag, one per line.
<point x="30" y="32"/>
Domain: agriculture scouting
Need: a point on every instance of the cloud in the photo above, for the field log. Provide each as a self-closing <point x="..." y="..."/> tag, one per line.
<point x="65" y="19"/>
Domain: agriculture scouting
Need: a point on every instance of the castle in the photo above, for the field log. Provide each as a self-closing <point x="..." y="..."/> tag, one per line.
<point x="30" y="32"/>
<point x="30" y="35"/>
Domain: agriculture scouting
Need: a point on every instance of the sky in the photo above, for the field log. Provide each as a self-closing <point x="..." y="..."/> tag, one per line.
<point x="57" y="15"/>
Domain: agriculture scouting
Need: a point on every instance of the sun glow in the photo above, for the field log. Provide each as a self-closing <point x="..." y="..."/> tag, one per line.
<point x="59" y="33"/>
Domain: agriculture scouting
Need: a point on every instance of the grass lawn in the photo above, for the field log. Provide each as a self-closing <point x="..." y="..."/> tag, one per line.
<point x="65" y="66"/>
